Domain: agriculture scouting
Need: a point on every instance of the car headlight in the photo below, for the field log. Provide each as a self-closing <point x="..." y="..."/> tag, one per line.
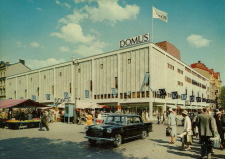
<point x="109" y="130"/>
<point x="86" y="128"/>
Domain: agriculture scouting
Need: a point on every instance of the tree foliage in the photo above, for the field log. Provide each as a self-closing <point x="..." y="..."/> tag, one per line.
<point x="222" y="97"/>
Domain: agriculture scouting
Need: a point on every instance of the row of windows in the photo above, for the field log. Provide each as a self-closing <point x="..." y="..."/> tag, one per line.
<point x="179" y="71"/>
<point x="170" y="66"/>
<point x="180" y="83"/>
<point x="143" y="94"/>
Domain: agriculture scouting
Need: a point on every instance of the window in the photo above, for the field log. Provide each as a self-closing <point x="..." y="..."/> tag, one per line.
<point x="170" y="66"/>
<point x="44" y="76"/>
<point x="31" y="79"/>
<point x="79" y="70"/>
<point x="70" y="88"/>
<point x="101" y="66"/>
<point x="179" y="71"/>
<point x="129" y="61"/>
<point x="180" y="83"/>
<point x="187" y="79"/>
<point x="60" y="73"/>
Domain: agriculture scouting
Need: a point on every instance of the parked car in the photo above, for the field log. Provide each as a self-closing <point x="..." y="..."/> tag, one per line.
<point x="118" y="127"/>
<point x="103" y="118"/>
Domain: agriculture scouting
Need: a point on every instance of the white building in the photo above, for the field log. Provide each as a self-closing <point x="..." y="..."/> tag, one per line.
<point x="128" y="78"/>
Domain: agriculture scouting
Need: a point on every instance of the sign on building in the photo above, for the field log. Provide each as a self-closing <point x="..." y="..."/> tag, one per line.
<point x="86" y="93"/>
<point x="135" y="40"/>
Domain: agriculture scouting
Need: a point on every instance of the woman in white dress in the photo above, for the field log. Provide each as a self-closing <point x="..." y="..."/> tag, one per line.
<point x="187" y="133"/>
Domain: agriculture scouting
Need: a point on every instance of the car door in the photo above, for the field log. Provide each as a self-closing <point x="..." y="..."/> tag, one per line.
<point x="129" y="128"/>
<point x="138" y="125"/>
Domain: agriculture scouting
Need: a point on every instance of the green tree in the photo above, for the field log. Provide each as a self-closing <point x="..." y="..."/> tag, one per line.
<point x="222" y="97"/>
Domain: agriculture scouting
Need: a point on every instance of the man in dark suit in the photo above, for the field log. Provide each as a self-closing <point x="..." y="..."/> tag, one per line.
<point x="205" y="122"/>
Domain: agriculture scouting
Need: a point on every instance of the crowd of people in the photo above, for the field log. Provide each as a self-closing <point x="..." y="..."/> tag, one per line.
<point x="205" y="126"/>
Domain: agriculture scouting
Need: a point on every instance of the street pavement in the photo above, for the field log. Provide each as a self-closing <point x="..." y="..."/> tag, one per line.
<point x="66" y="141"/>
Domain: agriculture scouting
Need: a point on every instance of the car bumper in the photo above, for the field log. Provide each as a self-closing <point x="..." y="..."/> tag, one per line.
<point x="100" y="139"/>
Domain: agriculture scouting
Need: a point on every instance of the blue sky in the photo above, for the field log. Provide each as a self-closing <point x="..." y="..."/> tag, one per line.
<point x="48" y="32"/>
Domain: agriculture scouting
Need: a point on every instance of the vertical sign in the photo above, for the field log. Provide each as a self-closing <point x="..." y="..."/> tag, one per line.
<point x="48" y="96"/>
<point x="33" y="97"/>
<point x="114" y="91"/>
<point x="66" y="95"/>
<point x="183" y="96"/>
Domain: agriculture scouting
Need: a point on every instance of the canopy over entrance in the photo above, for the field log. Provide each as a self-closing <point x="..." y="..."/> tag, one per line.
<point x="20" y="103"/>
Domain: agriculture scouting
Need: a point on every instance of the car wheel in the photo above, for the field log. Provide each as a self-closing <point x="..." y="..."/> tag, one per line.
<point x="92" y="142"/>
<point x="118" y="140"/>
<point x="144" y="134"/>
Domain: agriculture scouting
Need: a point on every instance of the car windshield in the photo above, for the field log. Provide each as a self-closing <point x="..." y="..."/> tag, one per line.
<point x="115" y="120"/>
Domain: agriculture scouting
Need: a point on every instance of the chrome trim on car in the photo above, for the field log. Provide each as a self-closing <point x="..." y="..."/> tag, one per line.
<point x="100" y="139"/>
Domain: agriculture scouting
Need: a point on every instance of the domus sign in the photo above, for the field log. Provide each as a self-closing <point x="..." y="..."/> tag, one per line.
<point x="135" y="40"/>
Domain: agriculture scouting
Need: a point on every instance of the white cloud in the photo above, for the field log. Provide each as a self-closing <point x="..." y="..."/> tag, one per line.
<point x="73" y="33"/>
<point x="111" y="11"/>
<point x="19" y="44"/>
<point x="39" y="9"/>
<point x="197" y="41"/>
<point x="76" y="17"/>
<point x="95" y="48"/>
<point x="67" y="5"/>
<point x="79" y="1"/>
<point x="35" y="44"/>
<point x="35" y="64"/>
<point x="64" y="49"/>
<point x="57" y="2"/>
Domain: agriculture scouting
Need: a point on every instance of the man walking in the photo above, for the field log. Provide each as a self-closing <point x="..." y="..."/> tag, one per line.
<point x="206" y="130"/>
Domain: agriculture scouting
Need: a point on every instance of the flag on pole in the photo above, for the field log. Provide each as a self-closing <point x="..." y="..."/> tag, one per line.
<point x="159" y="14"/>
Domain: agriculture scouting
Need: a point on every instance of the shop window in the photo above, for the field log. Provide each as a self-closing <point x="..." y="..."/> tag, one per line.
<point x="138" y="94"/>
<point x="133" y="94"/>
<point x="143" y="94"/>
<point x="147" y="94"/>
<point x="121" y="95"/>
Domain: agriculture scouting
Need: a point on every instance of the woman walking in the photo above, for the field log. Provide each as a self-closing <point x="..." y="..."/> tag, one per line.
<point x="187" y="133"/>
<point x="220" y="128"/>
<point x="172" y="125"/>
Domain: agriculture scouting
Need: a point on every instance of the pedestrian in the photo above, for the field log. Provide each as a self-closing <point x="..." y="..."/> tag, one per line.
<point x="164" y="117"/>
<point x="206" y="130"/>
<point x="159" y="117"/>
<point x="44" y="120"/>
<point x="147" y="116"/>
<point x="29" y="116"/>
<point x="143" y="115"/>
<point x="194" y="125"/>
<point x="51" y="115"/>
<point x="220" y="128"/>
<point x="88" y="119"/>
<point x="172" y="125"/>
<point x="187" y="132"/>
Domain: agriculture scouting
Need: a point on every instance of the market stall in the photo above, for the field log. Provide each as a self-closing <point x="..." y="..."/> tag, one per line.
<point x="16" y="113"/>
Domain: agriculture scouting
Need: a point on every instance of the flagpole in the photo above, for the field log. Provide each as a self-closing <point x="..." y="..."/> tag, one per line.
<point x="152" y="24"/>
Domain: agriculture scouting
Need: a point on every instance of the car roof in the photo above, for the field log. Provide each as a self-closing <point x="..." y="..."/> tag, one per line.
<point x="133" y="115"/>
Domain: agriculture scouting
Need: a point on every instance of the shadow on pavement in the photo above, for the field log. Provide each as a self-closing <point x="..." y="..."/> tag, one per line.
<point x="55" y="149"/>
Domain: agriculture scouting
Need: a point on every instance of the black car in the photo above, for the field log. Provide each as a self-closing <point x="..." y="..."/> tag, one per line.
<point x="117" y="128"/>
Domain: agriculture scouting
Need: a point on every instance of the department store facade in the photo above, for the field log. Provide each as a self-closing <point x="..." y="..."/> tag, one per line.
<point x="130" y="79"/>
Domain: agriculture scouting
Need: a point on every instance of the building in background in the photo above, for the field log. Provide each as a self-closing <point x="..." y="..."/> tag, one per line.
<point x="7" y="69"/>
<point x="215" y="84"/>
<point x="145" y="76"/>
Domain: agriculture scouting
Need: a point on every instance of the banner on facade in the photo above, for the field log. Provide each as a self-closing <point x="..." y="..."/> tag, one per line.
<point x="66" y="95"/>
<point x="183" y="96"/>
<point x="198" y="99"/>
<point x="146" y="79"/>
<point x="192" y="98"/>
<point x="33" y="97"/>
<point x="114" y="91"/>
<point x="86" y="93"/>
<point x="203" y="99"/>
<point x="47" y="96"/>
<point x="162" y="92"/>
<point x="174" y="95"/>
